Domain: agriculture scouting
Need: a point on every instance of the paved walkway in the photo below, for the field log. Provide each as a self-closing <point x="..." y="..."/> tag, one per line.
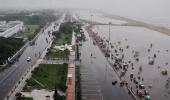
<point x="60" y="62"/>
<point x="70" y="94"/>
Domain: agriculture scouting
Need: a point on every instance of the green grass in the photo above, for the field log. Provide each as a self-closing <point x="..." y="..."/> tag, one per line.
<point x="47" y="76"/>
<point x="57" y="53"/>
<point x="30" y="31"/>
<point x="64" y="35"/>
<point x="63" y="39"/>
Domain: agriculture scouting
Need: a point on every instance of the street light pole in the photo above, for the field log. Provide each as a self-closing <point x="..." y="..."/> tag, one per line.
<point x="108" y="47"/>
<point x="109" y="30"/>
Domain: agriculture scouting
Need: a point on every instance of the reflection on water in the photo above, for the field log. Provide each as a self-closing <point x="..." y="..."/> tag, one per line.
<point x="149" y="44"/>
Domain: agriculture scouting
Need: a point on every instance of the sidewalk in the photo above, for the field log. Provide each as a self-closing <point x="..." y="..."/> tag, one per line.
<point x="70" y="93"/>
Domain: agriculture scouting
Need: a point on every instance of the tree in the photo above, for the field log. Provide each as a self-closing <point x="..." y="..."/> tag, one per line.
<point x="55" y="93"/>
<point x="18" y="96"/>
<point x="67" y="52"/>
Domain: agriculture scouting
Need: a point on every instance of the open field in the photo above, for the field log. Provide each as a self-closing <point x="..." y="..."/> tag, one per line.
<point x="30" y="31"/>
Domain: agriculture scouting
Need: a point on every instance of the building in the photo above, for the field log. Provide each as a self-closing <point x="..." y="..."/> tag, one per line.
<point x="7" y="29"/>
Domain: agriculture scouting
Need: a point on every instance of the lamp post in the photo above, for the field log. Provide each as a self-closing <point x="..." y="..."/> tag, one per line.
<point x="109" y="30"/>
<point x="108" y="47"/>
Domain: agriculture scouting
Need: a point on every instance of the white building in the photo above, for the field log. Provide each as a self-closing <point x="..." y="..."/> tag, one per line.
<point x="10" y="28"/>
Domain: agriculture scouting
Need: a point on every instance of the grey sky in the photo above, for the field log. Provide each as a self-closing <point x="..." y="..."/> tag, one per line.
<point x="99" y="4"/>
<point x="123" y="7"/>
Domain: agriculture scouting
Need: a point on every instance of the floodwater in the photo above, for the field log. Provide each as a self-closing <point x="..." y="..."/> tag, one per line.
<point x="97" y="17"/>
<point x="98" y="71"/>
<point x="140" y="39"/>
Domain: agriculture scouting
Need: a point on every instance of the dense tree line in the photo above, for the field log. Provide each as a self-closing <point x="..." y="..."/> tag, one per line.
<point x="39" y="18"/>
<point x="8" y="47"/>
<point x="66" y="28"/>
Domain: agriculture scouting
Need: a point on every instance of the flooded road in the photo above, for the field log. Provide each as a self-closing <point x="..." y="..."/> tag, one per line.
<point x="98" y="70"/>
<point x="139" y="40"/>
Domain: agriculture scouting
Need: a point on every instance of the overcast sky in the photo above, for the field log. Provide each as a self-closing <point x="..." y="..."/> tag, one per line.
<point x="99" y="4"/>
<point x="126" y="7"/>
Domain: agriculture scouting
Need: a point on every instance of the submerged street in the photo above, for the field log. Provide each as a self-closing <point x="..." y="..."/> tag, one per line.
<point x="100" y="75"/>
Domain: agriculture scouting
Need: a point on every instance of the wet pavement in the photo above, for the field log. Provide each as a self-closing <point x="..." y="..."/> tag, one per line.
<point x="90" y="87"/>
<point x="149" y="45"/>
<point x="97" y="74"/>
<point x="11" y="76"/>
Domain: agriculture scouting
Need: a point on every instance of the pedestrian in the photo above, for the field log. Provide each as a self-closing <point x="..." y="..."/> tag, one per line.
<point x="166" y="63"/>
<point x="131" y="88"/>
<point x="149" y="50"/>
<point x="154" y="55"/>
<point x="142" y="79"/>
<point x="137" y="59"/>
<point x="151" y="45"/>
<point x="132" y="68"/>
<point x="140" y="68"/>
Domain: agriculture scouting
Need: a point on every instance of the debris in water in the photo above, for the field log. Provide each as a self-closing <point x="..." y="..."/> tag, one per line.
<point x="166" y="63"/>
<point x="140" y="68"/>
<point x="127" y="46"/>
<point x="158" y="67"/>
<point x="150" y="86"/>
<point x="167" y="85"/>
<point x="154" y="55"/>
<point x="149" y="50"/>
<point x="151" y="62"/>
<point x="164" y="72"/>
<point x="114" y="82"/>
<point x="151" y="45"/>
<point x="137" y="59"/>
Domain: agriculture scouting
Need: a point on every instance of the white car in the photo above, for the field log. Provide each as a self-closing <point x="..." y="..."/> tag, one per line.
<point x="29" y="59"/>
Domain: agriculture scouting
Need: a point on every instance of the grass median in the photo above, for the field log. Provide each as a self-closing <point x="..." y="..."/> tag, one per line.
<point x="58" y="53"/>
<point x="48" y="76"/>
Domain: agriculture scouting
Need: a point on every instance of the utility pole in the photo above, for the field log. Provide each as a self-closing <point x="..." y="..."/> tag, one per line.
<point x="91" y="41"/>
<point x="109" y="30"/>
<point x="108" y="47"/>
